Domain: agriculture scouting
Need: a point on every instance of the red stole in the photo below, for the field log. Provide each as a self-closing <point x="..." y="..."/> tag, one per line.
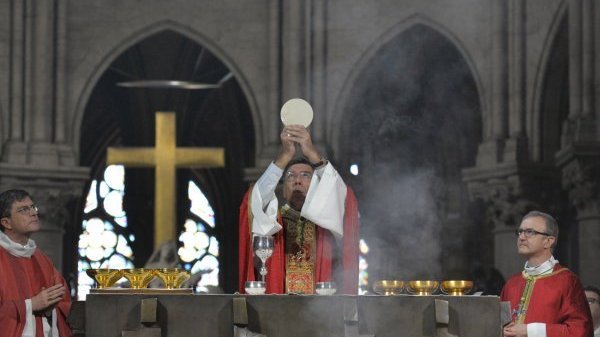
<point x="325" y="251"/>
<point x="21" y="279"/>
<point x="556" y="299"/>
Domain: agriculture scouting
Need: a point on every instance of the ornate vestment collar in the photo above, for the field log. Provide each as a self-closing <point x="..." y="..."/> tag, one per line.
<point x="17" y="249"/>
<point x="542" y="269"/>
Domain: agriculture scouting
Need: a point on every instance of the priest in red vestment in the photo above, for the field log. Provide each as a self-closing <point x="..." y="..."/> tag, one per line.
<point x="546" y="299"/>
<point x="315" y="231"/>
<point x="34" y="300"/>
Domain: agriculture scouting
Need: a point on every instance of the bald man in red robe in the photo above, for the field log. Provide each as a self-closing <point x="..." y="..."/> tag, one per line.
<point x="547" y="300"/>
<point x="34" y="300"/>
<point x="315" y="231"/>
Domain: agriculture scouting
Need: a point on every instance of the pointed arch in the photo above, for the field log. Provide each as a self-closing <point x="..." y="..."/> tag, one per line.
<point x="142" y="34"/>
<point x="341" y="104"/>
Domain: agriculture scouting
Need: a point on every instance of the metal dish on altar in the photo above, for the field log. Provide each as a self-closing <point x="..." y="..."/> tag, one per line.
<point x="139" y="278"/>
<point x="104" y="277"/>
<point x="255" y="287"/>
<point x="325" y="288"/>
<point x="172" y="278"/>
<point x="296" y="111"/>
<point x="422" y="288"/>
<point x="456" y="287"/>
<point x="388" y="287"/>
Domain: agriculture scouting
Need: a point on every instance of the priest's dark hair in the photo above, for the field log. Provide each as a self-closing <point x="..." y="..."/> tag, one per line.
<point x="299" y="160"/>
<point x="7" y="199"/>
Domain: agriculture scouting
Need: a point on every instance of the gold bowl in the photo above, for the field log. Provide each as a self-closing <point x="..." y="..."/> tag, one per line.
<point x="172" y="278"/>
<point x="456" y="287"/>
<point x="422" y="287"/>
<point x="139" y="278"/>
<point x="104" y="277"/>
<point x="388" y="287"/>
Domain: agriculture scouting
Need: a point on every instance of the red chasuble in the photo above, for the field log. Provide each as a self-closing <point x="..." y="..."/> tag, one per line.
<point x="556" y="299"/>
<point x="20" y="279"/>
<point x="326" y="252"/>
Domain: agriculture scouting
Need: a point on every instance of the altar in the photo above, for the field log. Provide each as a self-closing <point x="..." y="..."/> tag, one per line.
<point x="112" y="315"/>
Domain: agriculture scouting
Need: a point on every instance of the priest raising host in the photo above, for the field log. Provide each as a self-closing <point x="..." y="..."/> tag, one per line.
<point x="315" y="225"/>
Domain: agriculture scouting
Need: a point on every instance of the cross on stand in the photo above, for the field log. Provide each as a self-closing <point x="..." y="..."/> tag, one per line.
<point x="165" y="157"/>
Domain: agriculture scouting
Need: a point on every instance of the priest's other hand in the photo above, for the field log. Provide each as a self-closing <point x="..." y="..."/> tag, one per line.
<point x="515" y="330"/>
<point x="48" y="297"/>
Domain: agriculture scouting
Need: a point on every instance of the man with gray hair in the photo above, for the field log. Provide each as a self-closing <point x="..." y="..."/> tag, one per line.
<point x="34" y="300"/>
<point x="546" y="299"/>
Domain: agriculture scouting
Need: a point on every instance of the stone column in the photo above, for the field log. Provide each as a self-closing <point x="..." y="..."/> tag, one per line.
<point x="581" y="178"/>
<point x="495" y="129"/>
<point x="55" y="191"/>
<point x="579" y="156"/>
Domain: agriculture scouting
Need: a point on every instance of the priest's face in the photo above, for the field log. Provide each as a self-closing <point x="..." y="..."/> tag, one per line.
<point x="296" y="181"/>
<point x="533" y="240"/>
<point x="22" y="221"/>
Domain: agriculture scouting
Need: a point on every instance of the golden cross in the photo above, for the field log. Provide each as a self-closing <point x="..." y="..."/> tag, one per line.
<point x="166" y="157"/>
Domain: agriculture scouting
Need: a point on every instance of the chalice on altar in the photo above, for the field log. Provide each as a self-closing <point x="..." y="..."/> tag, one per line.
<point x="456" y="287"/>
<point x="104" y="277"/>
<point x="422" y="287"/>
<point x="262" y="245"/>
<point x="172" y="278"/>
<point x="139" y="278"/>
<point x="388" y="287"/>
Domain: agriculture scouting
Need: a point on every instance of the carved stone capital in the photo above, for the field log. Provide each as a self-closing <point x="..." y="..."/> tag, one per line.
<point x="510" y="191"/>
<point x="581" y="178"/>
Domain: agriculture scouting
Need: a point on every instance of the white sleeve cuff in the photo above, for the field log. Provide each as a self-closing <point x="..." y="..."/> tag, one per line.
<point x="29" y="329"/>
<point x="536" y="330"/>
<point x="264" y="221"/>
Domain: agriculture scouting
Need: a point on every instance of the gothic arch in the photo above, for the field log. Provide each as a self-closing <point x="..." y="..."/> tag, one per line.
<point x="341" y="104"/>
<point x="412" y="123"/>
<point x="141" y="35"/>
<point x="542" y="91"/>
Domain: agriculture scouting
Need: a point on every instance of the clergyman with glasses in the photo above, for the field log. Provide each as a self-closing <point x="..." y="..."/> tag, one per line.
<point x="315" y="225"/>
<point x="546" y="298"/>
<point x="34" y="300"/>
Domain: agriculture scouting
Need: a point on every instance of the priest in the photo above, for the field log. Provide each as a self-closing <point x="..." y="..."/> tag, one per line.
<point x="546" y="299"/>
<point x="34" y="300"/>
<point x="315" y="225"/>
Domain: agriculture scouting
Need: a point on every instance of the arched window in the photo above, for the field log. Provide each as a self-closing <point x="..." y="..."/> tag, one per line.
<point x="105" y="241"/>
<point x="199" y="247"/>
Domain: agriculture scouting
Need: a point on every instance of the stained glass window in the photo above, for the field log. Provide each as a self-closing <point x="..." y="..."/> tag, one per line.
<point x="363" y="274"/>
<point x="105" y="241"/>
<point x="199" y="247"/>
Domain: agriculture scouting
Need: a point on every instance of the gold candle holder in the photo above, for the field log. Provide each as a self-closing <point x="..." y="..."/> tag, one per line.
<point x="104" y="277"/>
<point x="172" y="278"/>
<point x="422" y="288"/>
<point x="388" y="287"/>
<point x="139" y="278"/>
<point x="456" y="287"/>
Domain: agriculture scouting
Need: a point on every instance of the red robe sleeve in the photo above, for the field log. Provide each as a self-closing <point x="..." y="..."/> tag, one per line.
<point x="17" y="285"/>
<point x="558" y="300"/>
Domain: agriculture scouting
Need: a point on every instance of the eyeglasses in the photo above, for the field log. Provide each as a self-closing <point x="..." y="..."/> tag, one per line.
<point x="27" y="209"/>
<point x="291" y="176"/>
<point x="592" y="301"/>
<point x="529" y="232"/>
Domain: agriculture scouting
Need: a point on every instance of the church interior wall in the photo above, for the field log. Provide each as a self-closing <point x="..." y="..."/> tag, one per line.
<point x="242" y="41"/>
<point x="252" y="39"/>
